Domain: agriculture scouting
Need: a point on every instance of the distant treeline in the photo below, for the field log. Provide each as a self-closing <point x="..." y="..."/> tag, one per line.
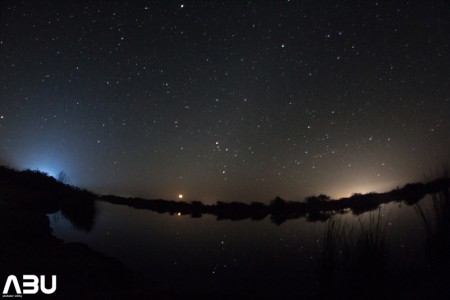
<point x="37" y="189"/>
<point x="315" y="208"/>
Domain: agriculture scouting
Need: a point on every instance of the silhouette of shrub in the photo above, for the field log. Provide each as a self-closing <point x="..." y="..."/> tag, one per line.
<point x="36" y="190"/>
<point x="357" y="251"/>
<point x="63" y="178"/>
<point x="436" y="223"/>
<point x="312" y="200"/>
<point x="278" y="203"/>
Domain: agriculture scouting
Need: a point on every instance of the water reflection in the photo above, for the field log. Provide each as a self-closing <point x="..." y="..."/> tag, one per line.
<point x="202" y="254"/>
<point x="200" y="251"/>
<point x="356" y="253"/>
<point x="80" y="212"/>
<point x="435" y="215"/>
<point x="343" y="255"/>
<point x="329" y="248"/>
<point x="315" y="208"/>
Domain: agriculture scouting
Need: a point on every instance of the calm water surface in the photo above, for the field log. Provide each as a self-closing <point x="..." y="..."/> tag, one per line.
<point x="237" y="257"/>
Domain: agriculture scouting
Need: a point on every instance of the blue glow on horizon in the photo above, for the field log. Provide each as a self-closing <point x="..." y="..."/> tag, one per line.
<point x="48" y="170"/>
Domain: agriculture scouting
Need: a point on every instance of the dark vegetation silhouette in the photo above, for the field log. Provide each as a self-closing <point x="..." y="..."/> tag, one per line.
<point x="37" y="190"/>
<point x="63" y="178"/>
<point x="28" y="246"/>
<point x="435" y="216"/>
<point x="352" y="256"/>
<point x="315" y="208"/>
<point x="436" y="222"/>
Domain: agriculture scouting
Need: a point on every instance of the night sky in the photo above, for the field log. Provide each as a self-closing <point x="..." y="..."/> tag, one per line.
<point x="226" y="100"/>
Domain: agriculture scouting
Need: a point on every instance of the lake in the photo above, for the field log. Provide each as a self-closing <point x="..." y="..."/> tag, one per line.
<point x="249" y="259"/>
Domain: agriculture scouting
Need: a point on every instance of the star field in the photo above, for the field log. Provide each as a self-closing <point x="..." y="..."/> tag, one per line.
<point x="232" y="100"/>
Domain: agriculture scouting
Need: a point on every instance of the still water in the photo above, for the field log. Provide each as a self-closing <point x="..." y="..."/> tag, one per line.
<point x="181" y="253"/>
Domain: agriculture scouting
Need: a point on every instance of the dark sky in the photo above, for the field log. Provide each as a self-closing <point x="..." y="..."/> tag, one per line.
<point x="231" y="100"/>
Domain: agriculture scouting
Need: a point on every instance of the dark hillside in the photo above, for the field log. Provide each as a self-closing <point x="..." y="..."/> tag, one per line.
<point x="28" y="246"/>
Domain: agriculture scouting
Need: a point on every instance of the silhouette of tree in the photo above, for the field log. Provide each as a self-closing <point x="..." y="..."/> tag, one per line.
<point x="317" y="199"/>
<point x="63" y="178"/>
<point x="278" y="202"/>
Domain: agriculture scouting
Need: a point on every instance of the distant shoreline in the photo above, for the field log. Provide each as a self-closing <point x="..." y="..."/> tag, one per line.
<point x="78" y="204"/>
<point x="27" y="197"/>
<point x="315" y="208"/>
